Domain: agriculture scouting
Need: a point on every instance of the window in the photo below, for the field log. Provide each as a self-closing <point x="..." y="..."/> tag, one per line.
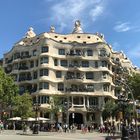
<point x="85" y="64"/>
<point x="35" y="74"/>
<point x="6" y="60"/>
<point x="36" y="63"/>
<point x="89" y="75"/>
<point x="44" y="60"/>
<point x="58" y="74"/>
<point x="31" y="64"/>
<point x="64" y="63"/>
<point x="93" y="101"/>
<point x="23" y="66"/>
<point x="104" y="64"/>
<point x="96" y="64"/>
<point x="25" y="54"/>
<point x="44" y="72"/>
<point x="106" y="87"/>
<point x="89" y="52"/>
<point x="43" y="99"/>
<point x="15" y="66"/>
<point x="61" y="51"/>
<point x="16" y="55"/>
<point x="44" y="49"/>
<point x="60" y="87"/>
<point x="90" y="88"/>
<point x="78" y="52"/>
<point x="55" y="62"/>
<point x="105" y="74"/>
<point x="34" y="52"/>
<point x="103" y="53"/>
<point x="44" y="85"/>
<point x="78" y="100"/>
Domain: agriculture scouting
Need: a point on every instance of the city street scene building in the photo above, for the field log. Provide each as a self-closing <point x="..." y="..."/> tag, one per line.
<point x="79" y="67"/>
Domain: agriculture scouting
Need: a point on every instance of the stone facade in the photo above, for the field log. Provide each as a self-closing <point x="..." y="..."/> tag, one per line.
<point x="78" y="67"/>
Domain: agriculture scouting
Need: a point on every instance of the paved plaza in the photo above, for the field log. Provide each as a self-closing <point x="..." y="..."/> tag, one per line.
<point x="18" y="135"/>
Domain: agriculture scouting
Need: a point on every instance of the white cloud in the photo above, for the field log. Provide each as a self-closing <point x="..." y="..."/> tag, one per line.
<point x="66" y="12"/>
<point x="96" y="12"/>
<point x="123" y="27"/>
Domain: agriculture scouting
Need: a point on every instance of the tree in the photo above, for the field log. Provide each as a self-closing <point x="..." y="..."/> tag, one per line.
<point x="57" y="106"/>
<point x="134" y="84"/>
<point x="8" y="91"/>
<point x="23" y="106"/>
<point x="109" y="109"/>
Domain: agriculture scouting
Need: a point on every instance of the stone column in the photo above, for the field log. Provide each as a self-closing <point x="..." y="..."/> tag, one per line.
<point x="40" y="99"/>
<point x="99" y="118"/>
<point x="84" y="101"/>
<point x="88" y="101"/>
<point x="72" y="101"/>
<point x="101" y="102"/>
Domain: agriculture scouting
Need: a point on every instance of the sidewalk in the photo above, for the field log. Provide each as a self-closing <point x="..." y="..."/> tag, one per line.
<point x="78" y="134"/>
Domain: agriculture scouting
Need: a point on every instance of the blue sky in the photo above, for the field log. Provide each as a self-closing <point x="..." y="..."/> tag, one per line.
<point x="118" y="20"/>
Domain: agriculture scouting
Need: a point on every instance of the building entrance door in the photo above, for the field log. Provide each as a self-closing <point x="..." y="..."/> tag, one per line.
<point x="76" y="118"/>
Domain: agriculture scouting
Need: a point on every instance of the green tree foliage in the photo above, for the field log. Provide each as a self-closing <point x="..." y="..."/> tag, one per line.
<point x="8" y="90"/>
<point x="23" y="106"/>
<point x="57" y="106"/>
<point x="110" y="109"/>
<point x="134" y="84"/>
<point x="9" y="97"/>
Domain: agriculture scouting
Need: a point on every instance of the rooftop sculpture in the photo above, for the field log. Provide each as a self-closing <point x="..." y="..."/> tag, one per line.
<point x="30" y="33"/>
<point x="52" y="29"/>
<point x="77" y="28"/>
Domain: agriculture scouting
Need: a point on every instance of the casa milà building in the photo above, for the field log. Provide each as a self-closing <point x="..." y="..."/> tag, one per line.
<point x="78" y="67"/>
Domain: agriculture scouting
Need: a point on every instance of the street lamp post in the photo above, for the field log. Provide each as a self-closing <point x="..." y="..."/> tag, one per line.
<point x="134" y="106"/>
<point x="65" y="112"/>
<point x="123" y="103"/>
<point x="36" y="125"/>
